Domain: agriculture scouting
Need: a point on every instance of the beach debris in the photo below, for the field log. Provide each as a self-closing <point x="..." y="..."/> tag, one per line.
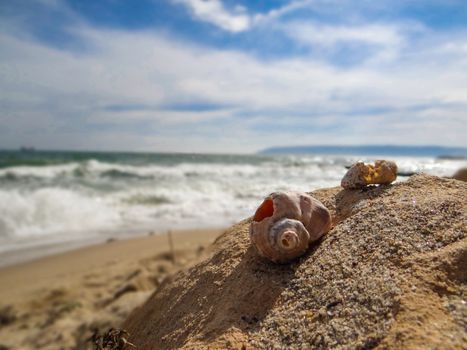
<point x="286" y="223"/>
<point x="171" y="246"/>
<point x="360" y="174"/>
<point x="7" y="315"/>
<point x="113" y="339"/>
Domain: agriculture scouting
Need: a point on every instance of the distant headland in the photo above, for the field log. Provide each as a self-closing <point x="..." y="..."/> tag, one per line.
<point x="380" y="150"/>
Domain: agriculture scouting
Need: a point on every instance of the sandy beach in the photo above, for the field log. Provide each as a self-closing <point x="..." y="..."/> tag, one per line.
<point x="56" y="301"/>
<point x="233" y="175"/>
<point x="387" y="276"/>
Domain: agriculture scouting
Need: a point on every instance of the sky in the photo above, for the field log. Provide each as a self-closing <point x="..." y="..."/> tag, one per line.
<point x="226" y="76"/>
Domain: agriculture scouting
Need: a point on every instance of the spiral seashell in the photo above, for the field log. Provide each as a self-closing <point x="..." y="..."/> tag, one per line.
<point x="360" y="175"/>
<point x="286" y="223"/>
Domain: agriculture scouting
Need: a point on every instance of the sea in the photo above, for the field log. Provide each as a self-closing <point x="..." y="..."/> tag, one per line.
<point x="70" y="198"/>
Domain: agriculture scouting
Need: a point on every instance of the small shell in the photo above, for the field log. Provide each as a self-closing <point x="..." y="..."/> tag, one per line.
<point x="286" y="223"/>
<point x="360" y="175"/>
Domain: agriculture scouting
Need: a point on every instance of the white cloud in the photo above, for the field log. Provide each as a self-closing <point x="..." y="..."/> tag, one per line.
<point x="327" y="35"/>
<point x="214" y="12"/>
<point x="237" y="19"/>
<point x="274" y="14"/>
<point x="384" y="42"/>
<point x="59" y="99"/>
<point x="375" y="42"/>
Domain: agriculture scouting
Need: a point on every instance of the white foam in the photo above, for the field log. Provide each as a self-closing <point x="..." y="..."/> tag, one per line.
<point x="432" y="166"/>
<point x="49" y="171"/>
<point x="52" y="210"/>
<point x="64" y="204"/>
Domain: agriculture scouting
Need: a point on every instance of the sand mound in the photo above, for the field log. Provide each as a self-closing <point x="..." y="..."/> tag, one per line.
<point x="461" y="175"/>
<point x="390" y="274"/>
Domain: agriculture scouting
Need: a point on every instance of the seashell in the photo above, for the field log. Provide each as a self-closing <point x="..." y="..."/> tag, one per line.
<point x="286" y="223"/>
<point x="360" y="175"/>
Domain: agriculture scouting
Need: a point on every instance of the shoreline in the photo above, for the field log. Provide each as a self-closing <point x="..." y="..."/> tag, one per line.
<point x="79" y="260"/>
<point x="29" y="253"/>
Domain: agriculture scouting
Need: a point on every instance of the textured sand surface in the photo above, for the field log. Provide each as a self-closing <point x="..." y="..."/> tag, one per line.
<point x="55" y="302"/>
<point x="389" y="275"/>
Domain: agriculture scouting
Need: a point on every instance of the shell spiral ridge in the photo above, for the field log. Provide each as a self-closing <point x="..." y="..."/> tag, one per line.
<point x="286" y="223"/>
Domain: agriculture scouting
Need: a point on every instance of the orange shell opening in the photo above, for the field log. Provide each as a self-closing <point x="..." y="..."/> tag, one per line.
<point x="265" y="210"/>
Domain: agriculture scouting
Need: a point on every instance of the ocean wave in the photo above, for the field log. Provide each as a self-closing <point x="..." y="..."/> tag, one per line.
<point x="50" y="171"/>
<point x="438" y="167"/>
<point x="142" y="199"/>
<point x="118" y="174"/>
<point x="14" y="162"/>
<point x="95" y="168"/>
<point x="87" y="197"/>
<point x="52" y="210"/>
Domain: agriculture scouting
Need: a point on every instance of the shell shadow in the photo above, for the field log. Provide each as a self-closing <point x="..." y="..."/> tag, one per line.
<point x="247" y="294"/>
<point x="228" y="292"/>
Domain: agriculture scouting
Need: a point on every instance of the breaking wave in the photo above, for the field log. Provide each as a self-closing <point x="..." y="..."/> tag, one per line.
<point x="91" y="196"/>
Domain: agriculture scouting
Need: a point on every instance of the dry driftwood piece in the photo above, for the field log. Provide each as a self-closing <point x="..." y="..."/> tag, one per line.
<point x="360" y="174"/>
<point x="286" y="223"/>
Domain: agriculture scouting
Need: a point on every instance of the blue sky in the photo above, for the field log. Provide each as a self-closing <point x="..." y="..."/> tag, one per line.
<point x="231" y="76"/>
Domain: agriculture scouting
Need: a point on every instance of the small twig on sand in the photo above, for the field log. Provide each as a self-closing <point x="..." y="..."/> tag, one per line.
<point x="113" y="339"/>
<point x="171" y="246"/>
